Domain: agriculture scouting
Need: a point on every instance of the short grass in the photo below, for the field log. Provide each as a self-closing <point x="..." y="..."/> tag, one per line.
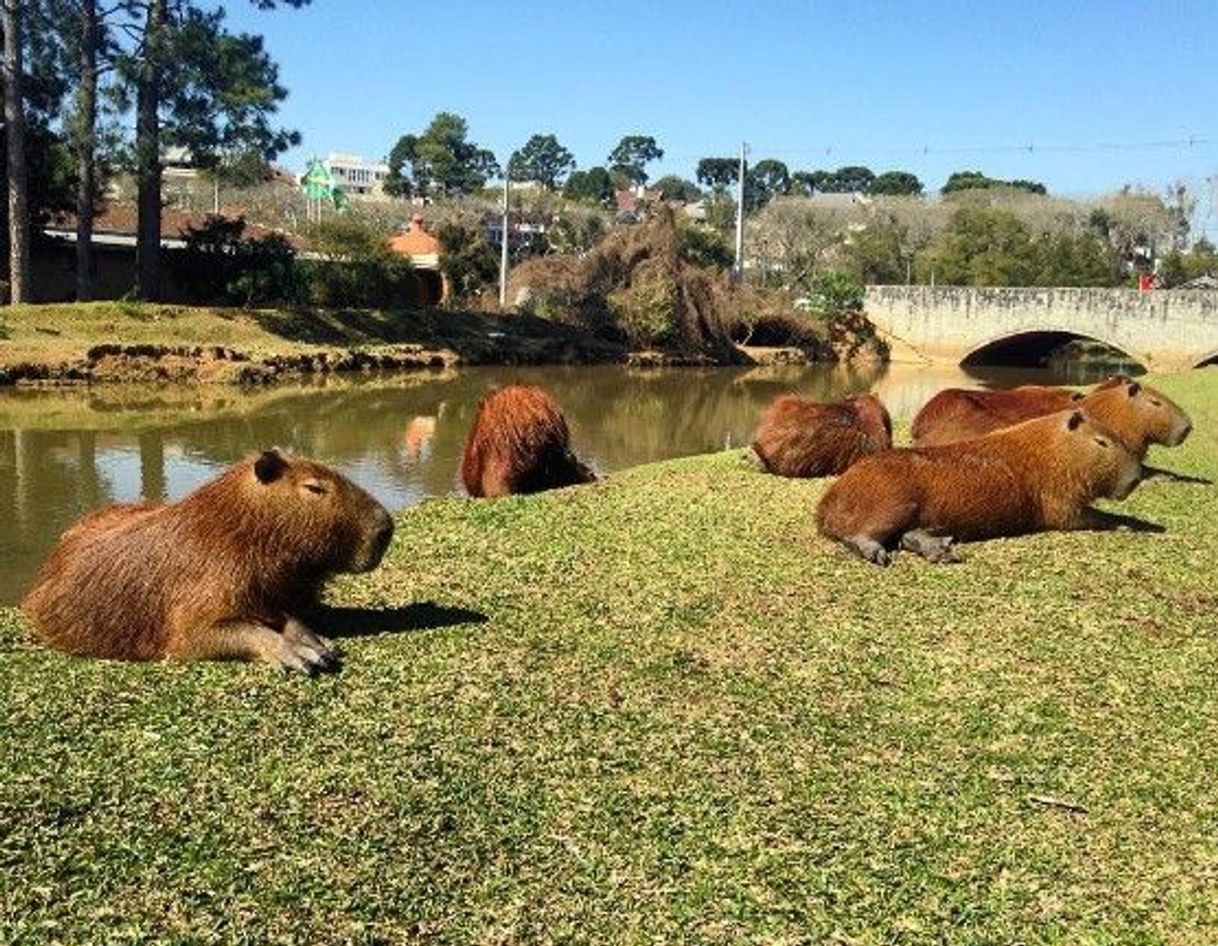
<point x="659" y="709"/>
<point x="56" y="334"/>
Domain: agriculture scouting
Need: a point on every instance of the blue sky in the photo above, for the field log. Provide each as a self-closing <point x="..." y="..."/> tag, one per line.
<point x="925" y="87"/>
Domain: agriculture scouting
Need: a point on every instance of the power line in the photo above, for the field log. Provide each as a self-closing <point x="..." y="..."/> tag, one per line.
<point x="1192" y="141"/>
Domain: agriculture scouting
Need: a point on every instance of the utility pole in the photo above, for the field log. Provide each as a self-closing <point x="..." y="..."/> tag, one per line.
<point x="503" y="249"/>
<point x="738" y="273"/>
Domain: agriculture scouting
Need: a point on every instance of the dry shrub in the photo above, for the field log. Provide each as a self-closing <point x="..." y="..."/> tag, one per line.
<point x="635" y="285"/>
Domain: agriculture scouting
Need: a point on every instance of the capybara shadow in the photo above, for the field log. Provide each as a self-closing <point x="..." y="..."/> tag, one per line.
<point x="1158" y="473"/>
<point x="519" y="443"/>
<point x="343" y="622"/>
<point x="222" y="574"/>
<point x="800" y="438"/>
<point x="1037" y="476"/>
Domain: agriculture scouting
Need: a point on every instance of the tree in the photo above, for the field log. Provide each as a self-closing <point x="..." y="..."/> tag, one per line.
<point x="18" y="182"/>
<point x="975" y="180"/>
<point x="718" y="172"/>
<point x="805" y="183"/>
<point x="852" y="179"/>
<point x="200" y="87"/>
<point x="593" y="186"/>
<point x="397" y="180"/>
<point x="543" y="160"/>
<point x="672" y="187"/>
<point x="442" y="161"/>
<point x="768" y="179"/>
<point x="981" y="246"/>
<point x="895" y="183"/>
<point x="631" y="156"/>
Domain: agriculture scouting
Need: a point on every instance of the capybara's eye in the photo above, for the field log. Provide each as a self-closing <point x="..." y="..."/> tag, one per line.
<point x="1101" y="441"/>
<point x="315" y="488"/>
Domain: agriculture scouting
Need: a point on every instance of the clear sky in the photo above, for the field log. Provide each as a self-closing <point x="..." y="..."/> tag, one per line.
<point x="1084" y="96"/>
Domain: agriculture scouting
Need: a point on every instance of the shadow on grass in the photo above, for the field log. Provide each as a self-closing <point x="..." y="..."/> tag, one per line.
<point x="1158" y="473"/>
<point x="366" y="622"/>
<point x="1124" y="523"/>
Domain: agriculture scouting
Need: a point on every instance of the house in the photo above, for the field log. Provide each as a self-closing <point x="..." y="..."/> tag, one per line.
<point x="355" y="176"/>
<point x="423" y="249"/>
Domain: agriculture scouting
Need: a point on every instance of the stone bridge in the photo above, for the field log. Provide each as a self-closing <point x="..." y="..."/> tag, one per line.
<point x="1163" y="330"/>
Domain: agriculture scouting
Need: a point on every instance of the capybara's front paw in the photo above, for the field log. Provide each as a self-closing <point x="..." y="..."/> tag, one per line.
<point x="302" y="651"/>
<point x="933" y="548"/>
<point x="869" y="550"/>
<point x="295" y="630"/>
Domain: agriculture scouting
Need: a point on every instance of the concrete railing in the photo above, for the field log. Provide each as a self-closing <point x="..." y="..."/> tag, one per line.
<point x="1163" y="329"/>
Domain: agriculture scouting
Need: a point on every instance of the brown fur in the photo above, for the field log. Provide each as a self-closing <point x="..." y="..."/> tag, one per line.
<point x="519" y="443"/>
<point x="1035" y="476"/>
<point x="803" y="438"/>
<point x="1137" y="414"/>
<point x="960" y="413"/>
<point x="221" y="573"/>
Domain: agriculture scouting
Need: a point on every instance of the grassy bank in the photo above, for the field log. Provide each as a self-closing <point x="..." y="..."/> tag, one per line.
<point x="658" y="709"/>
<point x="61" y="342"/>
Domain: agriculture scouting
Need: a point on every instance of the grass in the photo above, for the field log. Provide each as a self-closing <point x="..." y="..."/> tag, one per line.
<point x="659" y="709"/>
<point x="62" y="334"/>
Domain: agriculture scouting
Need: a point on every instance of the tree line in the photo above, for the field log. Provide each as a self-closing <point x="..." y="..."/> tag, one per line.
<point x="441" y="161"/>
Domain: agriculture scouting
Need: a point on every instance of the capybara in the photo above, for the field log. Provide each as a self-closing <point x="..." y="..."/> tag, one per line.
<point x="804" y="438"/>
<point x="1035" y="476"/>
<point x="960" y="413"/>
<point x="1137" y="414"/>
<point x="519" y="443"/>
<point x="222" y="573"/>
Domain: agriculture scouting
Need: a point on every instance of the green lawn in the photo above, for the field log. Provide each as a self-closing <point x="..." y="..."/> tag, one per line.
<point x="61" y="335"/>
<point x="659" y="709"/>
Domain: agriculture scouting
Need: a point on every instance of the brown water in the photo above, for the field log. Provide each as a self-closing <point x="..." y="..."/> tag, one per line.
<point x="65" y="451"/>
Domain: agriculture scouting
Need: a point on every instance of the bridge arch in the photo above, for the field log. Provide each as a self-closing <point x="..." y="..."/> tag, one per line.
<point x="1208" y="360"/>
<point x="1031" y="347"/>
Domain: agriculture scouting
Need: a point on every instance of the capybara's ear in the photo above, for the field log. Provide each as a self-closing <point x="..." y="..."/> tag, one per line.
<point x="1075" y="419"/>
<point x="269" y="466"/>
<point x="1134" y="388"/>
<point x="1077" y="396"/>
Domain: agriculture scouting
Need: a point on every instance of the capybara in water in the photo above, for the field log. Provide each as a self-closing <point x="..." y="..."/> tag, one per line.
<point x="804" y="438"/>
<point x="1035" y="476"/>
<point x="960" y="413"/>
<point x="1137" y="414"/>
<point x="519" y="443"/>
<point x="222" y="573"/>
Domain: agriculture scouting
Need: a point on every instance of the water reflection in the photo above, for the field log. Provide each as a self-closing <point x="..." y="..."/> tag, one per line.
<point x="65" y="451"/>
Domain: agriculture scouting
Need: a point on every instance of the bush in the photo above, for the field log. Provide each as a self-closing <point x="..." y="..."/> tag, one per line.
<point x="833" y="295"/>
<point x="220" y="264"/>
<point x="467" y="260"/>
<point x="356" y="269"/>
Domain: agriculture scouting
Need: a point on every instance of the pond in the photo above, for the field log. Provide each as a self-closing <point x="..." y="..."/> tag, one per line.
<point x="64" y="451"/>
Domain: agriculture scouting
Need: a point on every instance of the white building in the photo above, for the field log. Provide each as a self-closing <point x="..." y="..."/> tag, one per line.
<point x="357" y="177"/>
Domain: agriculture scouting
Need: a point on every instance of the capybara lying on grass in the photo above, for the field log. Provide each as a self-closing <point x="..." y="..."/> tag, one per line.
<point x="519" y="443"/>
<point x="1137" y="414"/>
<point x="222" y="573"/>
<point x="1036" y="476"/>
<point x="960" y="413"/>
<point x="804" y="438"/>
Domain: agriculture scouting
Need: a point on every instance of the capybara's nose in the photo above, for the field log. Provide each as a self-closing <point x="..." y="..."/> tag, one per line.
<point x="1185" y="431"/>
<point x="384" y="531"/>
